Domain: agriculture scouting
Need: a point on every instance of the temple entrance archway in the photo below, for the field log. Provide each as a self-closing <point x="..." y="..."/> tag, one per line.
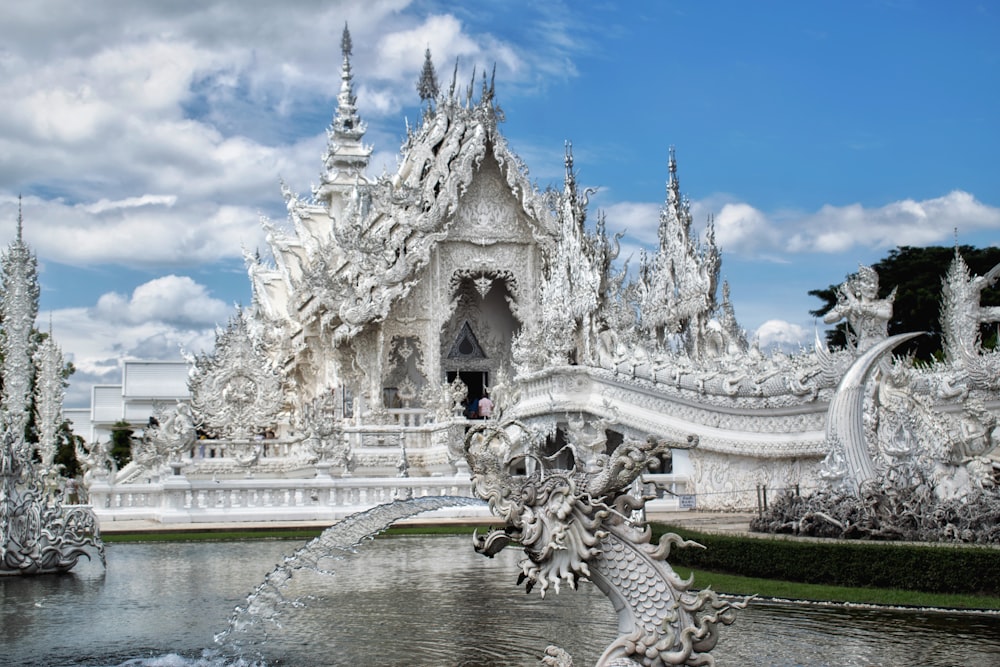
<point x="476" y="340"/>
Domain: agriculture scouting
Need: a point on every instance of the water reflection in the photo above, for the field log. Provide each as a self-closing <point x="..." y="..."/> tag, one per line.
<point x="413" y="601"/>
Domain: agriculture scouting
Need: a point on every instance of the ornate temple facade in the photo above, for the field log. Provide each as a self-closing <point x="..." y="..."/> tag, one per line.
<point x="424" y="290"/>
<point x="387" y="307"/>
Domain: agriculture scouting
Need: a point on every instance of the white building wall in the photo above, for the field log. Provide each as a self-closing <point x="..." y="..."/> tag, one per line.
<point x="154" y="380"/>
<point x="144" y="383"/>
<point x="106" y="403"/>
<point x="79" y="422"/>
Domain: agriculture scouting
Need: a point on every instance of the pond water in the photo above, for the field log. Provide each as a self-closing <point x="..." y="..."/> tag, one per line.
<point x="411" y="601"/>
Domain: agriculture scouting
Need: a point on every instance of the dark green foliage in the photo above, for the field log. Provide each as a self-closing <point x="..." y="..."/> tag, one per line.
<point x="931" y="569"/>
<point x="66" y="439"/>
<point x="66" y="453"/>
<point x="121" y="443"/>
<point x="917" y="275"/>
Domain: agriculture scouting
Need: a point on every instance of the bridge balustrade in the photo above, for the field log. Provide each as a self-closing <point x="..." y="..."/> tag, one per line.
<point x="177" y="499"/>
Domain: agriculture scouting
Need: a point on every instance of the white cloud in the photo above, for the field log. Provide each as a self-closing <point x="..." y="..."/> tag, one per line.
<point x="835" y="229"/>
<point x="640" y="220"/>
<point x="130" y="202"/>
<point x="782" y="335"/>
<point x="170" y="300"/>
<point x="740" y="225"/>
<point x="442" y="33"/>
<point x="144" y="231"/>
<point x="159" y="320"/>
<point x="745" y="231"/>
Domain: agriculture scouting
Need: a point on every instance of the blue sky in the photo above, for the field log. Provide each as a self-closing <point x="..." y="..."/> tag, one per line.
<point x="148" y="140"/>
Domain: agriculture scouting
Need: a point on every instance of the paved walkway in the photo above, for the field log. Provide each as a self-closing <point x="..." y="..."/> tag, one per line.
<point x="708" y="522"/>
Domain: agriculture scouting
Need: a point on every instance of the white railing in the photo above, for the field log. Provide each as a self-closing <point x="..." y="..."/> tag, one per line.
<point x="177" y="499"/>
<point x="408" y="417"/>
<point x="217" y="449"/>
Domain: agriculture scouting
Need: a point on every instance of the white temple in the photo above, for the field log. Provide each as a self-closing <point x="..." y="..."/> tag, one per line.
<point x="389" y="305"/>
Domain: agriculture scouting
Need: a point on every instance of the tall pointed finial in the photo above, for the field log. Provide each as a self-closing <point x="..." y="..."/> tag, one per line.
<point x="427" y="86"/>
<point x="454" y="82"/>
<point x="673" y="183"/>
<point x="347" y="120"/>
<point x="569" y="185"/>
<point x="18" y="311"/>
<point x="472" y="86"/>
<point x="345" y="42"/>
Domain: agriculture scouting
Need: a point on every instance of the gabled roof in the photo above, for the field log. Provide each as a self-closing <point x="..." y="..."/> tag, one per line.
<point x="352" y="256"/>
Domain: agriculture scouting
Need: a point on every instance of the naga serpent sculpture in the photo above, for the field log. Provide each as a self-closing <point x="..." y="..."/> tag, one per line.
<point x="845" y="419"/>
<point x="575" y="524"/>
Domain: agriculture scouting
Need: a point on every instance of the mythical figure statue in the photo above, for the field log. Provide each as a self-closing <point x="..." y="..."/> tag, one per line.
<point x="576" y="525"/>
<point x="170" y="434"/>
<point x="96" y="461"/>
<point x="906" y="470"/>
<point x="325" y="434"/>
<point x="858" y="303"/>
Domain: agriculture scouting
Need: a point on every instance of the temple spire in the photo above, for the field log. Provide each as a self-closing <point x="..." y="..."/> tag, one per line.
<point x="18" y="310"/>
<point x="346" y="157"/>
<point x="20" y="221"/>
<point x="427" y="87"/>
<point x="454" y="82"/>
<point x="346" y="122"/>
<point x="569" y="183"/>
<point x="673" y="183"/>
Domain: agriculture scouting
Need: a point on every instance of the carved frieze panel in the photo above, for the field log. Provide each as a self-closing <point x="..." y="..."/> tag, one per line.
<point x="404" y="371"/>
<point x="380" y="440"/>
<point x="236" y="392"/>
<point x="730" y="483"/>
<point x="488" y="212"/>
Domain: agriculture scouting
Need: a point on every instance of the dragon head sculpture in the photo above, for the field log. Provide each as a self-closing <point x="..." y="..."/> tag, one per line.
<point x="578" y="524"/>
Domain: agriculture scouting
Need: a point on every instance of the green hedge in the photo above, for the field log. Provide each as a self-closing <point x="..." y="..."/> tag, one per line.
<point x="931" y="569"/>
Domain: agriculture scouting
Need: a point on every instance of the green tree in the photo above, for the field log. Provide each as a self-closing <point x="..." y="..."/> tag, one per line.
<point x="121" y="443"/>
<point x="66" y="452"/>
<point x="917" y="275"/>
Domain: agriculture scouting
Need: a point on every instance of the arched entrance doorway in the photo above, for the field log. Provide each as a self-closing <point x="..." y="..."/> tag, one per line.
<point x="476" y="340"/>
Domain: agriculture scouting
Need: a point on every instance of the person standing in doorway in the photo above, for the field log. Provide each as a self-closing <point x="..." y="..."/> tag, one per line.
<point x="485" y="407"/>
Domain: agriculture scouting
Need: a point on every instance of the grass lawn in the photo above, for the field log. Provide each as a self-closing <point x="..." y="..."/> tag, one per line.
<point x="788" y="590"/>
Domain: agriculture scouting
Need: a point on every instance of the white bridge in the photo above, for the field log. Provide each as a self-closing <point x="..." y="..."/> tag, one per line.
<point x="772" y="442"/>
